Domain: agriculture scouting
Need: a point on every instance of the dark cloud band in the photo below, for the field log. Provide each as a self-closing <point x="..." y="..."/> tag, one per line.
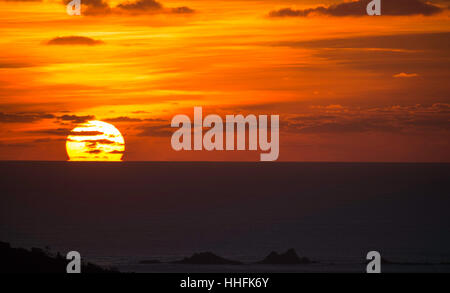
<point x="358" y="8"/>
<point x="74" y="40"/>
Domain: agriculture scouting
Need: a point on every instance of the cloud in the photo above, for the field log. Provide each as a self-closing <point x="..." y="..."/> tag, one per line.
<point x="386" y="54"/>
<point x="122" y="119"/>
<point x="100" y="7"/>
<point x="93" y="7"/>
<point x="182" y="10"/>
<point x="45" y="140"/>
<point x="16" y="144"/>
<point x="27" y="144"/>
<point x="74" y="40"/>
<point x="156" y="131"/>
<point x="101" y="141"/>
<point x="116" y="152"/>
<point x="92" y="143"/>
<point x="94" y="151"/>
<point x="399" y="119"/>
<point x="405" y="75"/>
<point x="358" y="8"/>
<point x="415" y="41"/>
<point x="141" y="5"/>
<point x="56" y="132"/>
<point x="289" y="12"/>
<point x="85" y="133"/>
<point x="155" y="120"/>
<point x="23" y="117"/>
<point x="130" y="119"/>
<point x="14" y="65"/>
<point x="76" y="119"/>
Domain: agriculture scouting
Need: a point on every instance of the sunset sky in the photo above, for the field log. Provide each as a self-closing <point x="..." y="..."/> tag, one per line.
<point x="347" y="87"/>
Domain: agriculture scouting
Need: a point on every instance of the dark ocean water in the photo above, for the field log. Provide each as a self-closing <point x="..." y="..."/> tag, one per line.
<point x="121" y="213"/>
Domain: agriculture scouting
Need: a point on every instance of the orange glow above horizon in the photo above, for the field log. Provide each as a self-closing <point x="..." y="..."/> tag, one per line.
<point x="346" y="88"/>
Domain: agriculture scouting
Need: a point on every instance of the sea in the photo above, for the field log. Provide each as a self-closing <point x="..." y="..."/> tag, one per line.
<point x="119" y="214"/>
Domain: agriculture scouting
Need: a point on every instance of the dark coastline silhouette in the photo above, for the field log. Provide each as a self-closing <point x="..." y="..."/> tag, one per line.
<point x="207" y="258"/>
<point x="36" y="260"/>
<point x="20" y="260"/>
<point x="290" y="257"/>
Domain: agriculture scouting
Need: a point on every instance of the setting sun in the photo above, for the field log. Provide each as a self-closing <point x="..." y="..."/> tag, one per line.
<point x="95" y="141"/>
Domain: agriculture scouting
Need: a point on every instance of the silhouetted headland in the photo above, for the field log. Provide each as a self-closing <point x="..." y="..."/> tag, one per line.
<point x="36" y="260"/>
<point x="207" y="258"/>
<point x="290" y="257"/>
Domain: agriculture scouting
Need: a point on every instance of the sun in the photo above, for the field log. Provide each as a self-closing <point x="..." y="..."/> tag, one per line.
<point x="95" y="141"/>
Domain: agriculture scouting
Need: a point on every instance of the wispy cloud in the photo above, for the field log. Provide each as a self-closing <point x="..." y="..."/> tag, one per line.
<point x="15" y="65"/>
<point x="122" y="119"/>
<point x="23" y="117"/>
<point x="155" y="130"/>
<point x="76" y="118"/>
<point x="385" y="119"/>
<point x="54" y="132"/>
<point x="405" y="75"/>
<point x="74" y="40"/>
<point x="30" y="143"/>
<point x="85" y="133"/>
<point x="131" y="119"/>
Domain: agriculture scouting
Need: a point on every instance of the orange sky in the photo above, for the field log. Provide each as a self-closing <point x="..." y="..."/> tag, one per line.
<point x="347" y="88"/>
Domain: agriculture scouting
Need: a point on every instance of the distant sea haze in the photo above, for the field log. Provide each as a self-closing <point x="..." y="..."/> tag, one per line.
<point x="120" y="214"/>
